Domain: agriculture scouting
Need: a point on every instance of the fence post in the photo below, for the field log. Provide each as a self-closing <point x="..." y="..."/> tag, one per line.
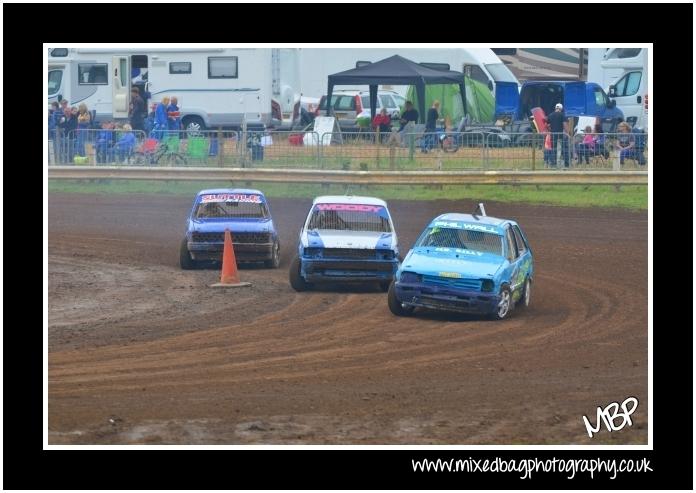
<point x="378" y="141"/>
<point x="533" y="157"/>
<point x="221" y="147"/>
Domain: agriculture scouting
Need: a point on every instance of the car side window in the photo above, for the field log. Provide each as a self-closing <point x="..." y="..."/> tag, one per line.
<point x="511" y="247"/>
<point x="521" y="246"/>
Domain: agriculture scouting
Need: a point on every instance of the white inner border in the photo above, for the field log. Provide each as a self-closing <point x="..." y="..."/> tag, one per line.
<point x="649" y="446"/>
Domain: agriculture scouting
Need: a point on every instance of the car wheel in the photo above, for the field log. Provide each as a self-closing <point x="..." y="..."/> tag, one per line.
<point x="274" y="263"/>
<point x="185" y="260"/>
<point x="297" y="282"/>
<point x="504" y="305"/>
<point x="526" y="294"/>
<point x="194" y="125"/>
<point x="384" y="285"/>
<point x="395" y="306"/>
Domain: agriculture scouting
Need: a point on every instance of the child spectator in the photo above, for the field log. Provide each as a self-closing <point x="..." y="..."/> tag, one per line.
<point x="586" y="147"/>
<point x="84" y="121"/>
<point x="383" y="122"/>
<point x="104" y="144"/>
<point x="126" y="143"/>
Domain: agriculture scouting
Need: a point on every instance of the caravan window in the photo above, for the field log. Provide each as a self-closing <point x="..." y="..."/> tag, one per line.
<point x="179" y="67"/>
<point x="92" y="74"/>
<point x="54" y="78"/>
<point x="222" y="67"/>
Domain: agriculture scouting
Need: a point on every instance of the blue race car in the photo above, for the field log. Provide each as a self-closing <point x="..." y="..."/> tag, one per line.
<point x="346" y="239"/>
<point x="468" y="263"/>
<point x="245" y="213"/>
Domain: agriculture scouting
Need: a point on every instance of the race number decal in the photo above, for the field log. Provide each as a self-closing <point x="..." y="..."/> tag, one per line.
<point x="231" y="197"/>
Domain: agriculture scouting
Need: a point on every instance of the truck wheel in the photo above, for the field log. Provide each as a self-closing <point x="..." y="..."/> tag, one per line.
<point x="185" y="260"/>
<point x="395" y="305"/>
<point x="504" y="305"/>
<point x="274" y="262"/>
<point x="297" y="282"/>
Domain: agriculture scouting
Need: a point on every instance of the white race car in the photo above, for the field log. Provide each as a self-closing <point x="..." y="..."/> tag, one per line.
<point x="346" y="238"/>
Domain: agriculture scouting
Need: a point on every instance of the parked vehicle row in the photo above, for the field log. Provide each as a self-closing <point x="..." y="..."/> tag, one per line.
<point x="467" y="263"/>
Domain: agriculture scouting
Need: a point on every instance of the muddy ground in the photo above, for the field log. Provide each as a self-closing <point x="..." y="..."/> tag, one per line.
<point x="143" y="352"/>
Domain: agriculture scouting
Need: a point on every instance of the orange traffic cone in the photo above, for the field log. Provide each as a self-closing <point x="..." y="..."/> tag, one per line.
<point x="229" y="278"/>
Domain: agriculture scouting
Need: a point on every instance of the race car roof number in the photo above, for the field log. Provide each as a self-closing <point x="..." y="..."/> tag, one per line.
<point x="349" y="207"/>
<point x="467" y="226"/>
<point x="231" y="197"/>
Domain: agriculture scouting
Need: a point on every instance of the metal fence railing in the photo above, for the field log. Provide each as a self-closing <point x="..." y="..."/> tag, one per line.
<point x="479" y="149"/>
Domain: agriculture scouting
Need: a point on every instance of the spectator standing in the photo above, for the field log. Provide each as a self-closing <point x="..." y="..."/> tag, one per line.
<point x="409" y="115"/>
<point x="84" y="122"/>
<point x="430" y="123"/>
<point x="173" y="122"/>
<point x="104" y="143"/>
<point x="558" y="124"/>
<point x="67" y="126"/>
<point x="161" y="119"/>
<point x="137" y="111"/>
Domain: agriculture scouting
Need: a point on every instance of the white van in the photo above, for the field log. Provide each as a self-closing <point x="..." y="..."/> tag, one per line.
<point x="214" y="86"/>
<point x="630" y="90"/>
<point x="316" y="64"/>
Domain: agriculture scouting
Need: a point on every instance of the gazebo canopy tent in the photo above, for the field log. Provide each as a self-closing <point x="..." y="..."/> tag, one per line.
<point x="395" y="70"/>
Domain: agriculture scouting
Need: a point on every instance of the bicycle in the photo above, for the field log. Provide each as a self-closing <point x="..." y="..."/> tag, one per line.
<point x="153" y="151"/>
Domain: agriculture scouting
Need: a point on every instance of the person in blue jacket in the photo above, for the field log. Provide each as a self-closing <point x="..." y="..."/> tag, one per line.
<point x="126" y="143"/>
<point x="161" y="120"/>
<point x="104" y="143"/>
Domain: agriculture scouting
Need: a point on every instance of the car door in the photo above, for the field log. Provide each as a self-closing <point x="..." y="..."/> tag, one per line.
<point x="515" y="257"/>
<point x="387" y="102"/>
<point x="524" y="261"/>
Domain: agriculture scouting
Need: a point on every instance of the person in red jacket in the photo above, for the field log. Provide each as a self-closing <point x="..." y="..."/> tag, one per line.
<point x="383" y="122"/>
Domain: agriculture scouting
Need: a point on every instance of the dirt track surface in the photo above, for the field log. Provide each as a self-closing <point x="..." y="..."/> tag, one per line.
<point x="143" y="352"/>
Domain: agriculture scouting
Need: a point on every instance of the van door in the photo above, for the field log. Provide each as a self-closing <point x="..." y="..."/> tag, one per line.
<point x="626" y="91"/>
<point x="574" y="98"/>
<point x="507" y="99"/>
<point x="120" y="77"/>
<point x="55" y="83"/>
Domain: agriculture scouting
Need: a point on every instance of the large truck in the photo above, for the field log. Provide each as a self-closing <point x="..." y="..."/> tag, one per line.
<point x="623" y="73"/>
<point x="214" y="86"/>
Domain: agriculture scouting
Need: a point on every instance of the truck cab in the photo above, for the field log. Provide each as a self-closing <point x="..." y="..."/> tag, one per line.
<point x="578" y="99"/>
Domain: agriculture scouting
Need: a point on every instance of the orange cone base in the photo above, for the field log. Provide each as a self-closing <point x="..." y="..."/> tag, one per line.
<point x="225" y="285"/>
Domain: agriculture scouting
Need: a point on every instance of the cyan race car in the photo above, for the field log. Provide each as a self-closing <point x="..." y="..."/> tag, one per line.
<point x="245" y="213"/>
<point x="468" y="263"/>
<point x="346" y="238"/>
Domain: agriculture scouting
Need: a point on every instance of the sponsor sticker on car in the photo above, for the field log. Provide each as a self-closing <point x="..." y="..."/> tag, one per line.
<point x="231" y="197"/>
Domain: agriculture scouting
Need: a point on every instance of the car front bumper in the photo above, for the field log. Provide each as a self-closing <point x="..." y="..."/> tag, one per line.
<point x="315" y="270"/>
<point x="243" y="252"/>
<point x="448" y="299"/>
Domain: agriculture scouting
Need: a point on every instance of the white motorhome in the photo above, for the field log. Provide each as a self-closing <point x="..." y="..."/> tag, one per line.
<point x="316" y="64"/>
<point x="214" y="87"/>
<point x="623" y="73"/>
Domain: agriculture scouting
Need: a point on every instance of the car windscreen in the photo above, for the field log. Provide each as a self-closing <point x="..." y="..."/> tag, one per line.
<point x="350" y="217"/>
<point x="477" y="241"/>
<point x="501" y="73"/>
<point x="242" y="206"/>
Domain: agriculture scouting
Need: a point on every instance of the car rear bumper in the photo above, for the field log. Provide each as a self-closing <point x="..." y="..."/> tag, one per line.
<point x="314" y="270"/>
<point x="448" y="299"/>
<point x="243" y="252"/>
